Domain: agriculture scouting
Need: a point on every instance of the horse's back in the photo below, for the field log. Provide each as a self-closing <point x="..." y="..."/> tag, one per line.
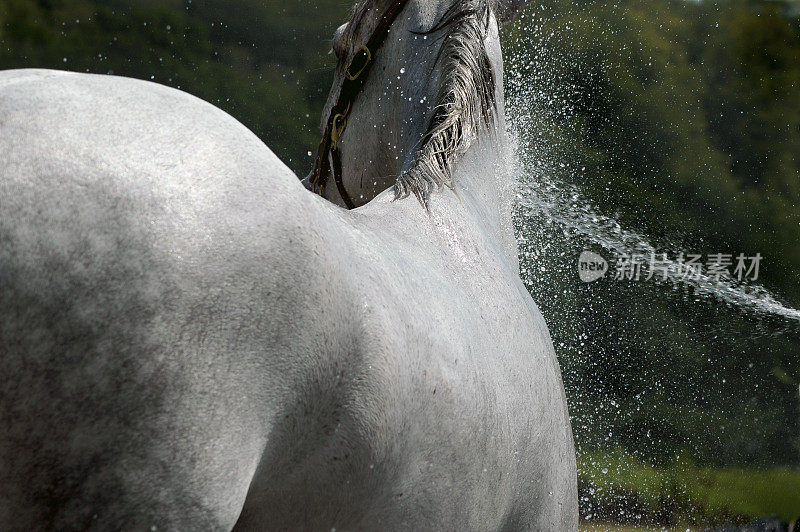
<point x="96" y="131"/>
<point x="127" y="210"/>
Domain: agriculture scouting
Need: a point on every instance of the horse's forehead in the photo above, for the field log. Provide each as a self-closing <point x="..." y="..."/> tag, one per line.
<point x="367" y="15"/>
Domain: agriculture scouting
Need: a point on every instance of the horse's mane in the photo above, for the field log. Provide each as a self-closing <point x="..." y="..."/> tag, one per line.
<point x="465" y="100"/>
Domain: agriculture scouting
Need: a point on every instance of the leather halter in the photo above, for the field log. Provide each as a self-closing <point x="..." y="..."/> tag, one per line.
<point x="355" y="75"/>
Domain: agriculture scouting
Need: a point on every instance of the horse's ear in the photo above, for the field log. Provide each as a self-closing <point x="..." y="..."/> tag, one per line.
<point x="506" y="10"/>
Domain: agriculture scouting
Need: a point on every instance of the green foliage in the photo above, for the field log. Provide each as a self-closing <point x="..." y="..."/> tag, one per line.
<point x="618" y="486"/>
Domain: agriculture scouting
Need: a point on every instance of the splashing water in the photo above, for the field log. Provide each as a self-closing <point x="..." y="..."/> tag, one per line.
<point x="566" y="211"/>
<point x="664" y="376"/>
<point x="543" y="194"/>
<point x="562" y="204"/>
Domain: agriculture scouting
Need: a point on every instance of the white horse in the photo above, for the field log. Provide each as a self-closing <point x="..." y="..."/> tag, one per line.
<point x="191" y="340"/>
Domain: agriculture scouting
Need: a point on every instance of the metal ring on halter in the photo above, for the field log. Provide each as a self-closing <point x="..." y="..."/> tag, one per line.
<point x="364" y="51"/>
<point x="337" y="127"/>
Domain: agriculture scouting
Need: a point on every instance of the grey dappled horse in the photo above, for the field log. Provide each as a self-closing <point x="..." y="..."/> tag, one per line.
<point x="191" y="340"/>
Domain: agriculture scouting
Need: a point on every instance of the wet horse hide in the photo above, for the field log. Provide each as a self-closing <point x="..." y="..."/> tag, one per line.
<point x="193" y="340"/>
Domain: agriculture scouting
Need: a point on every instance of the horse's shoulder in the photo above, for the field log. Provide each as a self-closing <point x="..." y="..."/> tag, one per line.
<point x="153" y="192"/>
<point x="159" y="259"/>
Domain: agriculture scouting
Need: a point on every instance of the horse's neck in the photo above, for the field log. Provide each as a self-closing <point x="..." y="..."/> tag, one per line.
<point x="484" y="182"/>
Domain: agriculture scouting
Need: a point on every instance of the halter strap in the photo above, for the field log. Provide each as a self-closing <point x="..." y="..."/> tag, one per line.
<point x="356" y="74"/>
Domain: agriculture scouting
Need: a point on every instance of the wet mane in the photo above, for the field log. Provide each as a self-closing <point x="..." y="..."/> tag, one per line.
<point x="465" y="100"/>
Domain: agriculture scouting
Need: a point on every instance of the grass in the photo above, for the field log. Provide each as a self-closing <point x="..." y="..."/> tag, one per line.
<point x="618" y="487"/>
<point x="595" y="527"/>
<point x="751" y="493"/>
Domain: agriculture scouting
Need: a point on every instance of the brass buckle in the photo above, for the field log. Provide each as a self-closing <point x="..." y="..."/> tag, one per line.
<point x="339" y="125"/>
<point x="366" y="54"/>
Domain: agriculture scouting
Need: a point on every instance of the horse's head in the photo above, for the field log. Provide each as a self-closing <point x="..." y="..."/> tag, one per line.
<point x="417" y="82"/>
